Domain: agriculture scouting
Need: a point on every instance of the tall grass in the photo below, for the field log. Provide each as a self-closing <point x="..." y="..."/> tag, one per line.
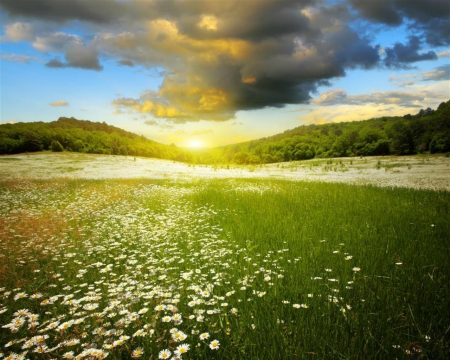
<point x="270" y="269"/>
<point x="399" y="238"/>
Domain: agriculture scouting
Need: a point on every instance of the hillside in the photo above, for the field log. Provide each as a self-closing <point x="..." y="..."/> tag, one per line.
<point x="82" y="136"/>
<point x="426" y="131"/>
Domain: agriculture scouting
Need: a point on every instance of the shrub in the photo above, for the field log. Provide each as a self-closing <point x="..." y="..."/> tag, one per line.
<point x="56" y="146"/>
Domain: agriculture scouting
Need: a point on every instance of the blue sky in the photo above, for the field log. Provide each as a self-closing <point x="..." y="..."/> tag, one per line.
<point x="214" y="73"/>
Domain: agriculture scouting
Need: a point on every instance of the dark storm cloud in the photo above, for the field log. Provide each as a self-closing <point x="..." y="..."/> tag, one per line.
<point x="382" y="11"/>
<point x="401" y="55"/>
<point x="125" y="63"/>
<point x="227" y="56"/>
<point x="56" y="63"/>
<point x="83" y="57"/>
<point x="220" y="57"/>
<point x="60" y="10"/>
<point x="252" y="20"/>
<point x="431" y="18"/>
<point x="77" y="56"/>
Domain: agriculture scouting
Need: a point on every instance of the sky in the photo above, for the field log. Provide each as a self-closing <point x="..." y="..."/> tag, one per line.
<point x="206" y="73"/>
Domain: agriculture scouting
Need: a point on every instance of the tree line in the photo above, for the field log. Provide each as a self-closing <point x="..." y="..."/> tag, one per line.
<point x="426" y="131"/>
<point x="82" y="136"/>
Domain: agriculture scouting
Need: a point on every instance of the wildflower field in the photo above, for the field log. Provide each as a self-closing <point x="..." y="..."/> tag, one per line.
<point x="222" y="269"/>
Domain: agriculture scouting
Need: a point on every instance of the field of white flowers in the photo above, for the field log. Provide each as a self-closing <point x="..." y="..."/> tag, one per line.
<point x="420" y="172"/>
<point x="184" y="268"/>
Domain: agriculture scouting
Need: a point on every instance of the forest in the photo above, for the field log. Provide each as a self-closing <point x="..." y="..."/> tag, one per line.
<point x="427" y="131"/>
<point x="70" y="134"/>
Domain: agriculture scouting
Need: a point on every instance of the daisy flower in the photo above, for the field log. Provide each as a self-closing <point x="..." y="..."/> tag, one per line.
<point x="214" y="345"/>
<point x="138" y="352"/>
<point x="182" y="349"/>
<point x="164" y="354"/>
<point x="177" y="317"/>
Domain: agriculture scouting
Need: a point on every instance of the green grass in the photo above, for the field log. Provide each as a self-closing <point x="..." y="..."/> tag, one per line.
<point x="8" y="159"/>
<point x="66" y="169"/>
<point x="313" y="270"/>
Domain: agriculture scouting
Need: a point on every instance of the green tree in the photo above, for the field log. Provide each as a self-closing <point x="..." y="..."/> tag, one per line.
<point x="31" y="141"/>
<point x="402" y="142"/>
<point x="56" y="146"/>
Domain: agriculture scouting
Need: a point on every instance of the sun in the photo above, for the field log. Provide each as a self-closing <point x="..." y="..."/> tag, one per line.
<point x="195" y="144"/>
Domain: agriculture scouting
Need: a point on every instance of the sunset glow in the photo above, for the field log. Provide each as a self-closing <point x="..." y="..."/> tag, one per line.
<point x="196" y="144"/>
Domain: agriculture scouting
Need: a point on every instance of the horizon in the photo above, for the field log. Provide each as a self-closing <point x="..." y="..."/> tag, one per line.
<point x="210" y="74"/>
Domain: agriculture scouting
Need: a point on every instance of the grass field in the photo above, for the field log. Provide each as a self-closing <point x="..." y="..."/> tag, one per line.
<point x="222" y="269"/>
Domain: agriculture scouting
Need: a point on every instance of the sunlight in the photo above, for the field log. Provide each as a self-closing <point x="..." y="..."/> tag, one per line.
<point x="195" y="144"/>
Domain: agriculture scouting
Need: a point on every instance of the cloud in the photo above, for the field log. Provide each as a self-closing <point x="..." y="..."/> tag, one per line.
<point x="440" y="73"/>
<point x="399" y="98"/>
<point x="437" y="74"/>
<point x="19" y="58"/>
<point x="379" y="11"/>
<point x="59" y="103"/>
<point x="10" y="122"/>
<point x="346" y="113"/>
<point x="77" y="56"/>
<point x="125" y="63"/>
<point x="17" y="31"/>
<point x="220" y="57"/>
<point x="445" y="53"/>
<point x="430" y="18"/>
<point x="55" y="63"/>
<point x="213" y="76"/>
<point x="400" y="56"/>
<point x="332" y="97"/>
<point x="150" y="122"/>
<point x="55" y="42"/>
<point x="85" y="57"/>
<point x="57" y="10"/>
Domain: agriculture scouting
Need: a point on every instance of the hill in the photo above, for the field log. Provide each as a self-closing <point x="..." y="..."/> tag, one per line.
<point x="426" y="131"/>
<point x="82" y="136"/>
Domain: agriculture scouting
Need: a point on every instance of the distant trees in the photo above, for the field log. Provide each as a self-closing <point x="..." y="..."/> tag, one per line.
<point x="428" y="130"/>
<point x="81" y="136"/>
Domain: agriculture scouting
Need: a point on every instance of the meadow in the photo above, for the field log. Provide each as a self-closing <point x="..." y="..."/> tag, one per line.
<point x="222" y="268"/>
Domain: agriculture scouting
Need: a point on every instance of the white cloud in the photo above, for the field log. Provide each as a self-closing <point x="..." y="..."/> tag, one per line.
<point x="445" y="53"/>
<point x="399" y="98"/>
<point x="18" y="31"/>
<point x="10" y="122"/>
<point x="59" y="103"/>
<point x="440" y="73"/>
<point x="56" y="42"/>
<point x="20" y="58"/>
